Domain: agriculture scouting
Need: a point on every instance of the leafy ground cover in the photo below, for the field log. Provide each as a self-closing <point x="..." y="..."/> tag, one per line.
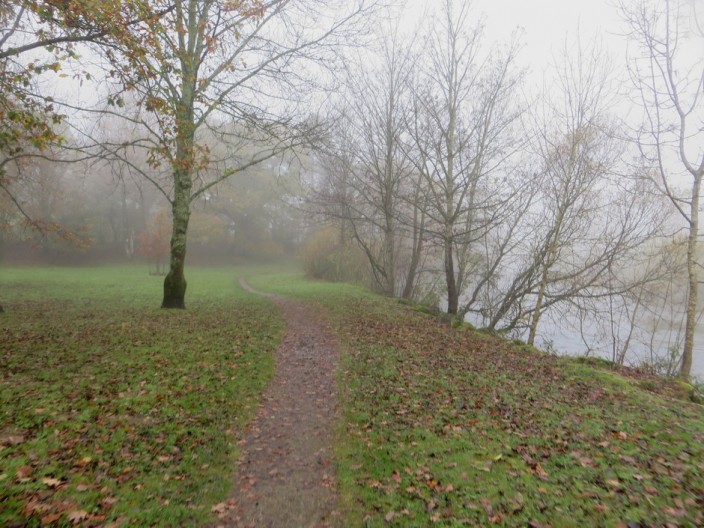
<point x="114" y="412"/>
<point x="451" y="427"/>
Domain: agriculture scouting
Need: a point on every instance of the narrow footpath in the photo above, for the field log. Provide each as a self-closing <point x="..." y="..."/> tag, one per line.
<point x="286" y="475"/>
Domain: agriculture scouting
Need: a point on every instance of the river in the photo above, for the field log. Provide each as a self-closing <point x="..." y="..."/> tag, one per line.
<point x="564" y="337"/>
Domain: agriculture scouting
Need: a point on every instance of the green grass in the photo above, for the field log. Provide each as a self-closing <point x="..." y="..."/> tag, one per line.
<point x="451" y="427"/>
<point x="114" y="410"/>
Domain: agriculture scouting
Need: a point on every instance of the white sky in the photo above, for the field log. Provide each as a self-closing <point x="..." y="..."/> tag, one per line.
<point x="544" y="25"/>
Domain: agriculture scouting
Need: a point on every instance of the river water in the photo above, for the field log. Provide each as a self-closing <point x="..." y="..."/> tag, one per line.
<point x="565" y="333"/>
<point x="564" y="336"/>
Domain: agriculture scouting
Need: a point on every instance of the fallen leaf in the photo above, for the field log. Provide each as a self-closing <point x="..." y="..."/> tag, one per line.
<point x="84" y="461"/>
<point x="542" y="474"/>
<point x="52" y="482"/>
<point x="23" y="473"/>
<point x="11" y="440"/>
<point x="496" y="519"/>
<point x="51" y="518"/>
<point x="77" y="516"/>
<point x="488" y="508"/>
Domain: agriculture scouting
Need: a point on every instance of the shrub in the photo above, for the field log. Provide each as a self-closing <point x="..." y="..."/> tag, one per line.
<point x="325" y="256"/>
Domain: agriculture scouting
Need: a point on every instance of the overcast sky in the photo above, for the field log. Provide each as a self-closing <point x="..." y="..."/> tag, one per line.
<point x="544" y="24"/>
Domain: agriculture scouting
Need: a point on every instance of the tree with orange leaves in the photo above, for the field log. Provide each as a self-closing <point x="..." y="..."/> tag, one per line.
<point x="28" y="27"/>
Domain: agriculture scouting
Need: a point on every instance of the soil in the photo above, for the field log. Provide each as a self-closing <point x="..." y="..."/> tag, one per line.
<point x="286" y="475"/>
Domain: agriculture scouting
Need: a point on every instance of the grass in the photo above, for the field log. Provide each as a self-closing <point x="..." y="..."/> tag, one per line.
<point x="114" y="411"/>
<point x="451" y="427"/>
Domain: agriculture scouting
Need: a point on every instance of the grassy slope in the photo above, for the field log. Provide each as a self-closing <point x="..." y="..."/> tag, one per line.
<point x="451" y="427"/>
<point x="112" y="409"/>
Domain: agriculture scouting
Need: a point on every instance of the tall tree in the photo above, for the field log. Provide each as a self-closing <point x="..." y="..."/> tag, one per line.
<point x="668" y="74"/>
<point x="464" y="109"/>
<point x="369" y="160"/>
<point x="227" y="67"/>
<point x="587" y="217"/>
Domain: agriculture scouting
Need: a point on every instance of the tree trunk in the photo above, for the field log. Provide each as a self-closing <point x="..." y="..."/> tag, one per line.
<point x="550" y="259"/>
<point x="389" y="258"/>
<point x="537" y="311"/>
<point x="693" y="287"/>
<point x="183" y="168"/>
<point x="452" y="293"/>
<point x="175" y="281"/>
<point x="415" y="256"/>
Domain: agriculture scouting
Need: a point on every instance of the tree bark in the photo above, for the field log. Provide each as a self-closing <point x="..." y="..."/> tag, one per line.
<point x="417" y="251"/>
<point x="693" y="286"/>
<point x="175" y="281"/>
<point x="538" y="309"/>
<point x="452" y="293"/>
<point x="184" y="161"/>
<point x="389" y="263"/>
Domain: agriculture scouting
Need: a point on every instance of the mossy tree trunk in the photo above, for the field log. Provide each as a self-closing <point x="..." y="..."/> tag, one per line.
<point x="183" y="166"/>
<point x="175" y="281"/>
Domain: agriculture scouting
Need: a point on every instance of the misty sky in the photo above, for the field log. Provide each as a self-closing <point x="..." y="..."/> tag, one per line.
<point x="544" y="24"/>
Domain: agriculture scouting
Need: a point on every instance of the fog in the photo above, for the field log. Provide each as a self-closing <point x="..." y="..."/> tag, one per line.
<point x="517" y="165"/>
<point x="100" y="215"/>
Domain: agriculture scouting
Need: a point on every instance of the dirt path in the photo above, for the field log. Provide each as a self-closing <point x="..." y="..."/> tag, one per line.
<point x="286" y="475"/>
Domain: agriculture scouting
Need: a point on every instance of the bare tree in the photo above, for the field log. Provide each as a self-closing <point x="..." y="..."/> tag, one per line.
<point x="667" y="71"/>
<point x="374" y="161"/>
<point x="587" y="217"/>
<point x="371" y="186"/>
<point x="463" y="112"/>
